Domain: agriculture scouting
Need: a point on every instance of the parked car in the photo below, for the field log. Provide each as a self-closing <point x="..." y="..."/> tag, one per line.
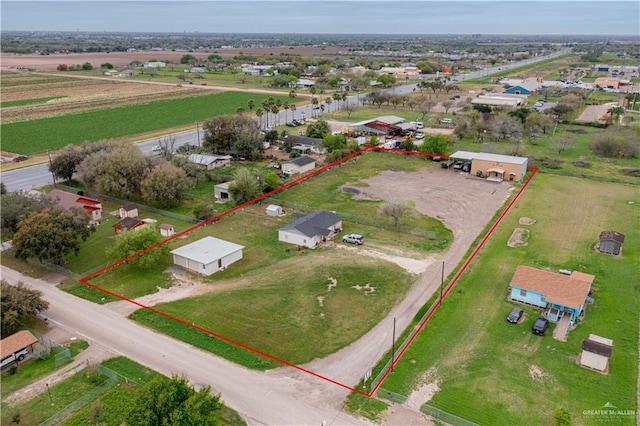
<point x="291" y="124"/>
<point x="353" y="239"/>
<point x="515" y="315"/>
<point x="466" y="167"/>
<point x="446" y="164"/>
<point x="20" y="158"/>
<point x="419" y="135"/>
<point x="540" y="326"/>
<point x="458" y="165"/>
<point x="446" y="121"/>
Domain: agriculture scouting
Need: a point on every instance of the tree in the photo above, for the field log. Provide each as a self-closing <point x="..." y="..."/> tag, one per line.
<point x="51" y="234"/>
<point x="107" y="65"/>
<point x="617" y="141"/>
<point x="165" y="401"/>
<point x="3" y="188"/>
<point x="246" y="185"/>
<point x="561" y="417"/>
<point x="434" y="144"/>
<point x="506" y="127"/>
<point x="166" y="185"/>
<point x="271" y="181"/>
<point x="16" y="206"/>
<point x="131" y="242"/>
<point x="226" y="134"/>
<point x="251" y="104"/>
<point x="65" y="163"/>
<point x="563" y="142"/>
<point x="214" y="58"/>
<point x="188" y="59"/>
<point x="447" y="105"/>
<point x="396" y="210"/>
<point x="118" y="172"/>
<point x="387" y="80"/>
<point x="87" y="66"/>
<point x="334" y="142"/>
<point x="19" y="305"/>
<point x="407" y="145"/>
<point x="318" y="129"/>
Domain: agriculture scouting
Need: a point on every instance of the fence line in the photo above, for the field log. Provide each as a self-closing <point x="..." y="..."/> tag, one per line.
<point x="447" y="417"/>
<point x="391" y="396"/>
<point x="141" y="206"/>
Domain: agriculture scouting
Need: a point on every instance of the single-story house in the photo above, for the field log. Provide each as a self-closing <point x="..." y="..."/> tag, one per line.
<point x="68" y="200"/>
<point x="304" y="144"/>
<point x="299" y="165"/>
<point x="607" y="83"/>
<point x="596" y="351"/>
<point x="128" y="223"/>
<point x="302" y="83"/>
<point x="126" y="73"/>
<point x="196" y="69"/>
<point x="207" y="255"/>
<point x="273" y="210"/>
<point x="154" y="64"/>
<point x="221" y="192"/>
<point x="381" y="126"/>
<point x="558" y="294"/>
<point x="128" y="210"/>
<point x="311" y="229"/>
<point x="166" y="230"/>
<point x="211" y="162"/>
<point x="16" y="344"/>
<point x="610" y="242"/>
<point x="494" y="167"/>
<point x="500" y="100"/>
<point x="525" y="88"/>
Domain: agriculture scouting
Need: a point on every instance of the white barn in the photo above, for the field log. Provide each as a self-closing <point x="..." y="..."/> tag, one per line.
<point x="207" y="255"/>
<point x="299" y="165"/>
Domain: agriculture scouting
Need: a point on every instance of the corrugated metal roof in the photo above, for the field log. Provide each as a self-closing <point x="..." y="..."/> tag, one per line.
<point x="207" y="250"/>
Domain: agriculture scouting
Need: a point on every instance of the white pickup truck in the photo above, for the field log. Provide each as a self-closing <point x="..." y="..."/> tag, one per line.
<point x="16" y="356"/>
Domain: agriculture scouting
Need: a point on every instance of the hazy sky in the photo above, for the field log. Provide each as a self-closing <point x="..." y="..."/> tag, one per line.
<point x="584" y="17"/>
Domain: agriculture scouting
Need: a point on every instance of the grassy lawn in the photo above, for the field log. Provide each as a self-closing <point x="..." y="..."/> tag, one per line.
<point x="473" y="353"/>
<point x="286" y="319"/>
<point x="46" y="404"/>
<point x="55" y="132"/>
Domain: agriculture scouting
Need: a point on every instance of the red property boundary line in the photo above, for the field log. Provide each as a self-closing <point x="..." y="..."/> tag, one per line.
<point x="85" y="279"/>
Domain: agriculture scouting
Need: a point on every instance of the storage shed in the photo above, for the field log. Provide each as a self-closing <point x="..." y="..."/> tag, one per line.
<point x="207" y="255"/>
<point x="221" y="192"/>
<point x="299" y="165"/>
<point x="610" y="242"/>
<point x="273" y="210"/>
<point x="596" y="351"/>
<point x="494" y="167"/>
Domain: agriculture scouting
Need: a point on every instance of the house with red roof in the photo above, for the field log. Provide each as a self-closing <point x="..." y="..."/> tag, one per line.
<point x="68" y="200"/>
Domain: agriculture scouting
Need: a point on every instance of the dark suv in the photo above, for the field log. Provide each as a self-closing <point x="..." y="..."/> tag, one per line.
<point x="515" y="315"/>
<point x="540" y="326"/>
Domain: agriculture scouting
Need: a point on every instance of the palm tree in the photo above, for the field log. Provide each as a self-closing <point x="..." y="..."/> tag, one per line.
<point x="314" y="102"/>
<point x="240" y="110"/>
<point x="312" y="90"/>
<point x="286" y="107"/>
<point x="328" y="100"/>
<point x="251" y="104"/>
<point x="293" y="108"/>
<point x="292" y="94"/>
<point x="275" y="110"/>
<point x="337" y="96"/>
<point x="259" y="114"/>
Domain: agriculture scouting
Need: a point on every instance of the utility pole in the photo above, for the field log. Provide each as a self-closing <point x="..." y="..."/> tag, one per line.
<point x="198" y="130"/>
<point x="53" y="175"/>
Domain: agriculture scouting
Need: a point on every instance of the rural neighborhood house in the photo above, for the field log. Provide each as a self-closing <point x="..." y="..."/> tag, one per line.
<point x="562" y="298"/>
<point x="299" y="165"/>
<point x="68" y="200"/>
<point x="207" y="255"/>
<point x="311" y="229"/>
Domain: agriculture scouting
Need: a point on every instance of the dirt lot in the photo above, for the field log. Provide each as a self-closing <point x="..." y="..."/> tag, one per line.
<point x="121" y="59"/>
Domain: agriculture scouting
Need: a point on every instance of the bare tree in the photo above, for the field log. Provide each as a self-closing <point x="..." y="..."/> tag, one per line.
<point x="167" y="147"/>
<point x="563" y="141"/>
<point x="396" y="210"/>
<point x="447" y="105"/>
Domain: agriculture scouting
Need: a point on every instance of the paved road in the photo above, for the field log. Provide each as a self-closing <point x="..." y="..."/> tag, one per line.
<point x="282" y="397"/>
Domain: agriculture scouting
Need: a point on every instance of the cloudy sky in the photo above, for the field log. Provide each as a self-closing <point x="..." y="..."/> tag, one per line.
<point x="583" y="17"/>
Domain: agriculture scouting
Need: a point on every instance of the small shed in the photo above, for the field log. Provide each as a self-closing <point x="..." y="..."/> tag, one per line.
<point x="273" y="210"/>
<point x="166" y="230"/>
<point x="128" y="223"/>
<point x="610" y="242"/>
<point x="596" y="351"/>
<point x="128" y="210"/>
<point x="207" y="255"/>
<point x="221" y="192"/>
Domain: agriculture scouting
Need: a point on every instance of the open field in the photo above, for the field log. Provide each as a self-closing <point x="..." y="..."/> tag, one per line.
<point x="50" y="97"/>
<point x="53" y="133"/>
<point x="492" y="372"/>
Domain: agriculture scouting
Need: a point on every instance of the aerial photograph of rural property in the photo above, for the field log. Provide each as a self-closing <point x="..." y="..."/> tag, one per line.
<point x="336" y="212"/>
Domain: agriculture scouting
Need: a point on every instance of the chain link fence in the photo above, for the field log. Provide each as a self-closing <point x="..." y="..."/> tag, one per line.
<point x="452" y="419"/>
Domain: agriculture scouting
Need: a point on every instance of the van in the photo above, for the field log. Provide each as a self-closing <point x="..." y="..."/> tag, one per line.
<point x="417" y="124"/>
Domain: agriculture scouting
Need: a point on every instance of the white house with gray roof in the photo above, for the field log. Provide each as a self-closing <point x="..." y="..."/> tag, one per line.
<point x="299" y="165"/>
<point x="311" y="229"/>
<point x="207" y="255"/>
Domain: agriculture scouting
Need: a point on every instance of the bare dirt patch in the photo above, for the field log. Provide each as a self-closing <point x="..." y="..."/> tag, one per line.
<point x="424" y="392"/>
<point x="593" y="114"/>
<point x="519" y="238"/>
<point x="526" y="221"/>
<point x="536" y="372"/>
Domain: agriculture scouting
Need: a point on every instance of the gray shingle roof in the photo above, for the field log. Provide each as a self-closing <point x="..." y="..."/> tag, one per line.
<point x="313" y="224"/>
<point x="301" y="161"/>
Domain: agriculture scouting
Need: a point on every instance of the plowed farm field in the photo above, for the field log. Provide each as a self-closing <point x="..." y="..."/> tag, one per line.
<point x="32" y="97"/>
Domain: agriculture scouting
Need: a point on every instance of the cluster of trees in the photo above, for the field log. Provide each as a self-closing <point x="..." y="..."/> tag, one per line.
<point x="270" y="106"/>
<point x="78" y="67"/>
<point x="19" y="306"/>
<point x="122" y="171"/>
<point x="130" y="243"/>
<point x="617" y="141"/>
<point x="233" y="134"/>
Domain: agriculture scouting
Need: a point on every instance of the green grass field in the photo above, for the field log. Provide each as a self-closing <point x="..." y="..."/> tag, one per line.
<point x="493" y="372"/>
<point x="37" y="136"/>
